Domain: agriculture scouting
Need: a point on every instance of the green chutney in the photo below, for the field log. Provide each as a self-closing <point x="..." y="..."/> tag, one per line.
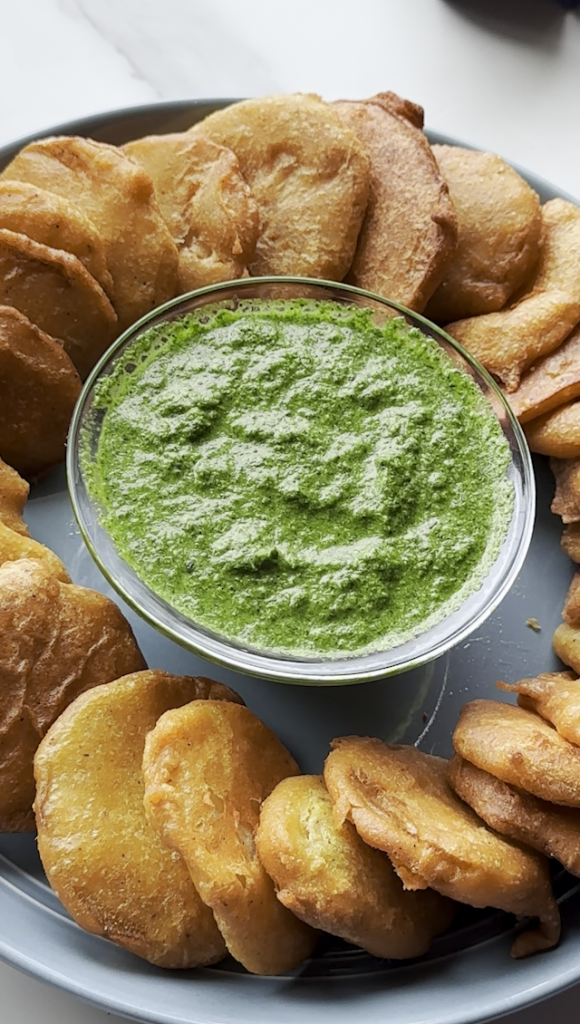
<point x="299" y="479"/>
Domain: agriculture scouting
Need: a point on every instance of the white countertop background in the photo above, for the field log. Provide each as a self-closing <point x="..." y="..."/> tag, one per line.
<point x="501" y="74"/>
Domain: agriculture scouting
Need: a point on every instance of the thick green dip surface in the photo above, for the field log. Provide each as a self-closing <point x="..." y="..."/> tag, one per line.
<point x="299" y="479"/>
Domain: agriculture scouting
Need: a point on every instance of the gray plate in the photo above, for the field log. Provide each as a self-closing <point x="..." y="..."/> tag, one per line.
<point x="469" y="975"/>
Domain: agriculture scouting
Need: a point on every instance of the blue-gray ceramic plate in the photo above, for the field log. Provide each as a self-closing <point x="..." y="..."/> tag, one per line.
<point x="469" y="975"/>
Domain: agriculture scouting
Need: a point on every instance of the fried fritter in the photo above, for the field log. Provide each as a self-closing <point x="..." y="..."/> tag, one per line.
<point x="207" y="768"/>
<point x="117" y="196"/>
<point x="571" y="609"/>
<point x="566" y="501"/>
<point x="410" y="228"/>
<point x="117" y="879"/>
<point x="399" y="801"/>
<point x="13" y="497"/>
<point x="566" y="644"/>
<point x="329" y="878"/>
<point x="556" y="433"/>
<point x="570" y="541"/>
<point x="309" y="176"/>
<point x="508" y="342"/>
<point x="553" y="831"/>
<point x="205" y="202"/>
<point x="555" y="696"/>
<point x="499" y="228"/>
<point x="55" y="291"/>
<point x="57" y="640"/>
<point x="520" y="748"/>
<point x="39" y="387"/>
<point x="16" y="546"/>
<point x="553" y="381"/>
<point x="54" y="221"/>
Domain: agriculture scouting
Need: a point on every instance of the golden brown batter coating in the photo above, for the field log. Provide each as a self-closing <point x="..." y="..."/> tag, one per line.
<point x="13" y="497"/>
<point x="207" y="769"/>
<point x="555" y="696"/>
<point x="104" y="861"/>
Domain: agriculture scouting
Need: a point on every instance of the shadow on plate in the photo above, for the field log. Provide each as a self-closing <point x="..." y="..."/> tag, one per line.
<point x="537" y="22"/>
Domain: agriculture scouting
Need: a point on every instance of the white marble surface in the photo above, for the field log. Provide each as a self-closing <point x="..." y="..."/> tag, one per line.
<point x="508" y="81"/>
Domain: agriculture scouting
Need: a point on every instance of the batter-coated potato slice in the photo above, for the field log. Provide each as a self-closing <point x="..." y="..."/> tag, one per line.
<point x="566" y="644"/>
<point x="557" y="433"/>
<point x="555" y="696"/>
<point x="207" y="769"/>
<point x="53" y="220"/>
<point x="329" y="878"/>
<point x="400" y="802"/>
<point x="117" y="195"/>
<point x="16" y="546"/>
<point x="570" y="541"/>
<point x="510" y="341"/>
<point x="309" y="176"/>
<point x="208" y="207"/>
<point x="57" y="640"/>
<point x="499" y="228"/>
<point x="13" y="497"/>
<point x="39" y="387"/>
<point x="56" y="292"/>
<point x="571" y="609"/>
<point x="553" y="831"/>
<point x="520" y="748"/>
<point x="117" y="878"/>
<point x="566" y="501"/>
<point x="553" y="380"/>
<point x="410" y="227"/>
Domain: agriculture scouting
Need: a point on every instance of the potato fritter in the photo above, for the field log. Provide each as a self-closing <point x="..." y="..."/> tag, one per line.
<point x="509" y="341"/>
<point x="54" y="221"/>
<point x="499" y="228"/>
<point x="39" y="387"/>
<point x="207" y="769"/>
<point x="553" y="380"/>
<point x="399" y="801"/>
<point x="557" y="433"/>
<point x="554" y="696"/>
<point x="566" y="644"/>
<point x="329" y="878"/>
<point x="553" y="831"/>
<point x="566" y="500"/>
<point x="55" y="292"/>
<point x="13" y="497"/>
<point x="205" y="202"/>
<point x="58" y="640"/>
<point x="410" y="228"/>
<point x="571" y="609"/>
<point x="309" y="176"/>
<point x="570" y="542"/>
<point x="117" y="196"/>
<point x="520" y="748"/>
<point x="117" y="879"/>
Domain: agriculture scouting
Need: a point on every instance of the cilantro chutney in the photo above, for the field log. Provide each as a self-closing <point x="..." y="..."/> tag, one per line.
<point x="298" y="478"/>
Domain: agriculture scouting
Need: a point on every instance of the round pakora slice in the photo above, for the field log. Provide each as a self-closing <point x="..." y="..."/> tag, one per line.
<point x="499" y="234"/>
<point x="309" y="176"/>
<point x="13" y="497"/>
<point x="54" y="221"/>
<point x="410" y="228"/>
<point x="555" y="696"/>
<point x="117" y="196"/>
<point x="399" y="801"/>
<point x="205" y="202"/>
<point x="207" y="769"/>
<point x="552" y="830"/>
<point x="329" y="878"/>
<point x="39" y="387"/>
<point x="117" y="879"/>
<point x="520" y="748"/>
<point x="56" y="641"/>
<point x="55" y="291"/>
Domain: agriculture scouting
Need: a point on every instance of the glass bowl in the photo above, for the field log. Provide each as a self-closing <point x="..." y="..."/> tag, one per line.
<point x="426" y="646"/>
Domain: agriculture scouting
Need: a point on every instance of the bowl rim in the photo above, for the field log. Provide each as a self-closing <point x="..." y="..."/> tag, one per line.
<point x="217" y="648"/>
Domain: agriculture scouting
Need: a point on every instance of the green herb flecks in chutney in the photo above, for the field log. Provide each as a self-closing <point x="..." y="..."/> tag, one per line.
<point x="292" y="475"/>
